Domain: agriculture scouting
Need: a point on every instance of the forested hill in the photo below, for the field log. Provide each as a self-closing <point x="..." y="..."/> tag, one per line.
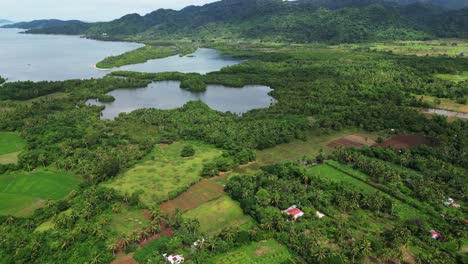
<point x="451" y="4"/>
<point x="52" y="26"/>
<point x="330" y="21"/>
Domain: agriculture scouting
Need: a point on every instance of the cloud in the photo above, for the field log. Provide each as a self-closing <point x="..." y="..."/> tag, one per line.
<point x="88" y="10"/>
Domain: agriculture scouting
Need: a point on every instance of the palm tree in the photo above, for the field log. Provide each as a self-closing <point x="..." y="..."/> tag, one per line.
<point x="155" y="213"/>
<point x="366" y="247"/>
<point x="192" y="225"/>
<point x="96" y="259"/>
<point x="228" y="234"/>
<point x="10" y="219"/>
<point x="112" y="246"/>
<point x="321" y="254"/>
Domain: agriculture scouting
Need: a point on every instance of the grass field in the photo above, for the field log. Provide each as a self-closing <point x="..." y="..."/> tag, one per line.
<point x="454" y="77"/>
<point x="11" y="145"/>
<point x="268" y="252"/>
<point x="200" y="193"/>
<point x="218" y="214"/>
<point x="143" y="254"/>
<point x="23" y="192"/>
<point x="310" y="148"/>
<point x="445" y="47"/>
<point x="163" y="172"/>
<point x="327" y="172"/>
<point x="10" y="142"/>
<point x="445" y="104"/>
<point x="126" y="221"/>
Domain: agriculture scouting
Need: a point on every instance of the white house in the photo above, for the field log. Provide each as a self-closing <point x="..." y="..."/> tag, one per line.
<point x="174" y="259"/>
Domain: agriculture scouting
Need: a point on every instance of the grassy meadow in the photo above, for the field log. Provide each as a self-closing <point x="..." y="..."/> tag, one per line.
<point x="444" y="47"/>
<point x="444" y="104"/>
<point x="11" y="145"/>
<point x="267" y="251"/>
<point x="309" y="148"/>
<point x="23" y="192"/>
<point x="218" y="214"/>
<point x="164" y="172"/>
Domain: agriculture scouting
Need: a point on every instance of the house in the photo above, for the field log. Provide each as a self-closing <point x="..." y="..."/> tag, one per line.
<point x="174" y="259"/>
<point x="435" y="234"/>
<point x="451" y="202"/>
<point x="319" y="215"/>
<point x="294" y="212"/>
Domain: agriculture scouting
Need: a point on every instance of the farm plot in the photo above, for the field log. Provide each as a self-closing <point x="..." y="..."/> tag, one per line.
<point x="268" y="251"/>
<point x="405" y="141"/>
<point x="351" y="141"/>
<point x="218" y="214"/>
<point x="198" y="194"/>
<point x="11" y="145"/>
<point x="310" y="148"/>
<point x="163" y="173"/>
<point x="23" y="192"/>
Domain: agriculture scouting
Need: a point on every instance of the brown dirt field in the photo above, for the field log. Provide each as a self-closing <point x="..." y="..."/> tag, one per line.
<point x="405" y="141"/>
<point x="198" y="194"/>
<point x="127" y="259"/>
<point x="351" y="141"/>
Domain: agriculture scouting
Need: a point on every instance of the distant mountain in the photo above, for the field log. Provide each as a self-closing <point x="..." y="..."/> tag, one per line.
<point x="52" y="26"/>
<point x="4" y="21"/>
<point x="331" y="21"/>
<point x="450" y="4"/>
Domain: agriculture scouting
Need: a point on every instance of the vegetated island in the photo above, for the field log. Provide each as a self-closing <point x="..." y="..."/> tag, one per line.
<point x="143" y="54"/>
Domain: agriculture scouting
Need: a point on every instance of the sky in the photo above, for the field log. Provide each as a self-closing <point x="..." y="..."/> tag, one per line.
<point x="86" y="10"/>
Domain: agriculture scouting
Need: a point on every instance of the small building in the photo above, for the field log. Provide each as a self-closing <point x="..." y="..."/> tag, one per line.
<point x="294" y="212"/>
<point x="319" y="215"/>
<point x="451" y="202"/>
<point x="174" y="259"/>
<point x="435" y="234"/>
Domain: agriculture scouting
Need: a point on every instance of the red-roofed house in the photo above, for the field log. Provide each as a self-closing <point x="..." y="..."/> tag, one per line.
<point x="435" y="234"/>
<point x="174" y="259"/>
<point x="294" y="212"/>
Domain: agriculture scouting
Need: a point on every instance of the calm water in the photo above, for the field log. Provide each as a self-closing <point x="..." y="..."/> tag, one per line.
<point x="168" y="95"/>
<point x="54" y="57"/>
<point x="49" y="57"/>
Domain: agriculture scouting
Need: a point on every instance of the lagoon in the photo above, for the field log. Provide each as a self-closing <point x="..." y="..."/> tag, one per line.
<point x="168" y="95"/>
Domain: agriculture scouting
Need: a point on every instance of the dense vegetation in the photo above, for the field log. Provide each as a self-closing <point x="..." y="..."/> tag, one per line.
<point x="332" y="21"/>
<point x="378" y="202"/>
<point x="2" y="80"/>
<point x="52" y="26"/>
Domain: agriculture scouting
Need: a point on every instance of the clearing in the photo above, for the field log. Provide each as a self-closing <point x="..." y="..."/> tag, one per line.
<point x="268" y="251"/>
<point x="444" y="104"/>
<point x="443" y="47"/>
<point x="351" y="141"/>
<point x="198" y="194"/>
<point x="163" y="173"/>
<point x="23" y="192"/>
<point x="218" y="214"/>
<point x="11" y="145"/>
<point x="310" y="148"/>
<point x="405" y="141"/>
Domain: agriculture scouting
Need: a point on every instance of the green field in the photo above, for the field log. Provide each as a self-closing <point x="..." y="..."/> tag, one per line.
<point x="163" y="172"/>
<point x="310" y="148"/>
<point x="327" y="172"/>
<point x="445" y="47"/>
<point x="454" y="77"/>
<point x="145" y="253"/>
<point x="218" y="214"/>
<point x="268" y="252"/>
<point x="126" y="221"/>
<point x="10" y="142"/>
<point x="23" y="192"/>
<point x="445" y="104"/>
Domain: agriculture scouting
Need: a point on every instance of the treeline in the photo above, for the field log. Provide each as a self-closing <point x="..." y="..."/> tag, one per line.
<point x="83" y="89"/>
<point x="2" y="80"/>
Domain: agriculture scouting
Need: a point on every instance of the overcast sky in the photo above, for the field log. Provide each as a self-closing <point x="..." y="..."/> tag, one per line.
<point x="88" y="10"/>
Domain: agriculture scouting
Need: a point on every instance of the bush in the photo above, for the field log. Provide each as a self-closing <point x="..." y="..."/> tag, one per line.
<point x="187" y="151"/>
